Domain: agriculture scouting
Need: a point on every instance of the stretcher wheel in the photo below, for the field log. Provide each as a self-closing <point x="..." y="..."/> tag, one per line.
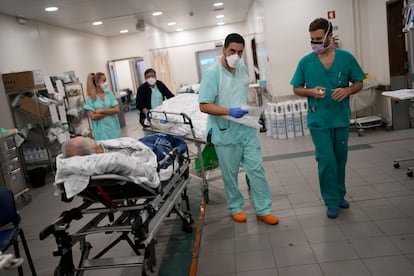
<point x="25" y="199"/>
<point x="150" y="262"/>
<point x="187" y="227"/>
<point x="206" y="196"/>
<point x="360" y="132"/>
<point x="59" y="271"/>
<point x="396" y="165"/>
<point x="410" y="173"/>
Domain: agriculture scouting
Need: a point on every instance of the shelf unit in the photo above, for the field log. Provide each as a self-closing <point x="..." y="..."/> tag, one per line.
<point x="77" y="117"/>
<point x="33" y="119"/>
<point x="12" y="175"/>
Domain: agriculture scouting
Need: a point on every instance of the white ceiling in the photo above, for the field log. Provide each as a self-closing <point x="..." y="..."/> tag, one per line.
<point x="124" y="14"/>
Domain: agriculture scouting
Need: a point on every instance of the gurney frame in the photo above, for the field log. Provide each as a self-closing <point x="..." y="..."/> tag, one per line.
<point x="186" y="120"/>
<point x="139" y="216"/>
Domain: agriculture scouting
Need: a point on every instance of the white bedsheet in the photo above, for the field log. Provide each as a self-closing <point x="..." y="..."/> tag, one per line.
<point x="182" y="103"/>
<point x="188" y="103"/>
<point x="140" y="167"/>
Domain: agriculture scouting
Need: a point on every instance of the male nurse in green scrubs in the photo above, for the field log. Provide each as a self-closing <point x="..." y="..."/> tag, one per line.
<point x="327" y="77"/>
<point x="223" y="91"/>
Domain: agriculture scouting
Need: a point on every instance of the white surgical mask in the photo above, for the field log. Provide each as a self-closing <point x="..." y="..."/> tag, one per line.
<point x="104" y="85"/>
<point x="151" y="81"/>
<point x="233" y="61"/>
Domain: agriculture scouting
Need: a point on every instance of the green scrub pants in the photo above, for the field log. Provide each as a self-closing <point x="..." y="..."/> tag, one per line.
<point x="331" y="152"/>
<point x="248" y="153"/>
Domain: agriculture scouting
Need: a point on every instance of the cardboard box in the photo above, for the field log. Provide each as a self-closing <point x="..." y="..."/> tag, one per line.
<point x="23" y="81"/>
<point x="29" y="105"/>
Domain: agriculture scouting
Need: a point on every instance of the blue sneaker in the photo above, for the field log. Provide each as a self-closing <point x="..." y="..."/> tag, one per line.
<point x="332" y="213"/>
<point x="344" y="204"/>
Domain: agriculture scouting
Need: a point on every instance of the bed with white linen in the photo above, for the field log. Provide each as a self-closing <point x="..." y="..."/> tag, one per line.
<point x="122" y="195"/>
<point x="181" y="115"/>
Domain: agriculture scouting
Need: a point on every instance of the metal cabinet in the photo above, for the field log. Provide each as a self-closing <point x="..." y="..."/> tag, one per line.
<point x="12" y="175"/>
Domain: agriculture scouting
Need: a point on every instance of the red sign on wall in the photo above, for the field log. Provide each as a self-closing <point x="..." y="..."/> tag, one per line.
<point x="331" y="15"/>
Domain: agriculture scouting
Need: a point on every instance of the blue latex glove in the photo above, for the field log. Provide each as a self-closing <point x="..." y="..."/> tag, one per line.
<point x="146" y="115"/>
<point x="237" y="112"/>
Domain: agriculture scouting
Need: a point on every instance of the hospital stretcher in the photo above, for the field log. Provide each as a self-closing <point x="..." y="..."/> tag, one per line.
<point x="113" y="205"/>
<point x="180" y="124"/>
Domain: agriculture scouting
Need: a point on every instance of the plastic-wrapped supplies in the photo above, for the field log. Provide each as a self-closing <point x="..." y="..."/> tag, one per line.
<point x="297" y="118"/>
<point x="290" y="128"/>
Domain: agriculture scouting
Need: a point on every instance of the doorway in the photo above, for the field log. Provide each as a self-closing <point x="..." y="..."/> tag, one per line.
<point x="126" y="74"/>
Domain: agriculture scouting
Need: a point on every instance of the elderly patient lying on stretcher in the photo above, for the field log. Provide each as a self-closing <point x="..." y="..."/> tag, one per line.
<point x="137" y="160"/>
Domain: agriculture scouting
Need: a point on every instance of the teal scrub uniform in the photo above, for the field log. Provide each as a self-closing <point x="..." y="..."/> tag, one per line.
<point x="156" y="97"/>
<point x="328" y="120"/>
<point x="108" y="127"/>
<point x="235" y="143"/>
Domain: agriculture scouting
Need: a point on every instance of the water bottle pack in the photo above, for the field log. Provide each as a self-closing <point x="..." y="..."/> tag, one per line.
<point x="287" y="119"/>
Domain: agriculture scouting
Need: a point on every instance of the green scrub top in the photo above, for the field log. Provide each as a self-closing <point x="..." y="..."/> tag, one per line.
<point x="156" y="97"/>
<point x="108" y="127"/>
<point x="220" y="87"/>
<point x="310" y="72"/>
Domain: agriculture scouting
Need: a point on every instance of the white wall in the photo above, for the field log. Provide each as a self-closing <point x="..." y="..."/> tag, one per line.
<point x="362" y="29"/>
<point x="287" y="38"/>
<point x="52" y="50"/>
<point x="183" y="58"/>
<point x="374" y="39"/>
<point x="280" y="29"/>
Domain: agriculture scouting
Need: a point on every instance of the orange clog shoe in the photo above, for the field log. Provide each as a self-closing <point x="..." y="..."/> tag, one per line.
<point x="239" y="217"/>
<point x="268" y="219"/>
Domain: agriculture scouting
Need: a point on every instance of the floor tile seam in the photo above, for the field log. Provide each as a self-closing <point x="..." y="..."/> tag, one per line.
<point x="386" y="237"/>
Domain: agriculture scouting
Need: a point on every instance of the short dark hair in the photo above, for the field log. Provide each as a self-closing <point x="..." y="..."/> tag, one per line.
<point x="234" y="37"/>
<point x="321" y="24"/>
<point x="149" y="70"/>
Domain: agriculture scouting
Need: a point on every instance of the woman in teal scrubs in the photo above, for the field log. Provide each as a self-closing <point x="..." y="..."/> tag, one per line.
<point x="102" y="108"/>
<point x="223" y="90"/>
<point x="323" y="76"/>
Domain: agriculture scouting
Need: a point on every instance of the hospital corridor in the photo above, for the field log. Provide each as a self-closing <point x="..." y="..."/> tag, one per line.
<point x="207" y="138"/>
<point x="374" y="237"/>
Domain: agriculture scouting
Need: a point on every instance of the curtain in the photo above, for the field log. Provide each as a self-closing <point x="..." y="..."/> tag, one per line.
<point x="161" y="62"/>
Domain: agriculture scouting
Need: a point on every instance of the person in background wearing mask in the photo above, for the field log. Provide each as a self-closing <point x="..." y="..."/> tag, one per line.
<point x="151" y="94"/>
<point x="223" y="90"/>
<point x="102" y="108"/>
<point x="327" y="77"/>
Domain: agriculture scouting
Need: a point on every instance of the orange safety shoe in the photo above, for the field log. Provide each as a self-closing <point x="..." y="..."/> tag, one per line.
<point x="239" y="217"/>
<point x="268" y="219"/>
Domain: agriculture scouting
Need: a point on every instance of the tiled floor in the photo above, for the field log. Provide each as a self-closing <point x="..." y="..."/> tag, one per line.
<point x="375" y="236"/>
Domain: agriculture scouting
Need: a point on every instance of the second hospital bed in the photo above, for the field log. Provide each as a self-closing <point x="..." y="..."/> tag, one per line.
<point x="126" y="198"/>
<point x="181" y="115"/>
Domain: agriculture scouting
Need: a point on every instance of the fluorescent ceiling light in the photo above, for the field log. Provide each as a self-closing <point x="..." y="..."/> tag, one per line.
<point x="220" y="16"/>
<point x="218" y="4"/>
<point x="220" y="23"/>
<point x="156" y="13"/>
<point x="123" y="31"/>
<point x="51" y="9"/>
<point x="179" y="29"/>
<point x="171" y="24"/>
<point x="97" y="23"/>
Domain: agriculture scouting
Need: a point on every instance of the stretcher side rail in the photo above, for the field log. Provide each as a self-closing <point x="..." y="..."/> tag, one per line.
<point x="165" y="118"/>
<point x="139" y="216"/>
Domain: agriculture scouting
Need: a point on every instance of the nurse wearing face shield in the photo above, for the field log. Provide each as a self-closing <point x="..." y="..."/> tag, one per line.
<point x="223" y="90"/>
<point x="151" y="94"/>
<point x="327" y="77"/>
<point x="102" y="108"/>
